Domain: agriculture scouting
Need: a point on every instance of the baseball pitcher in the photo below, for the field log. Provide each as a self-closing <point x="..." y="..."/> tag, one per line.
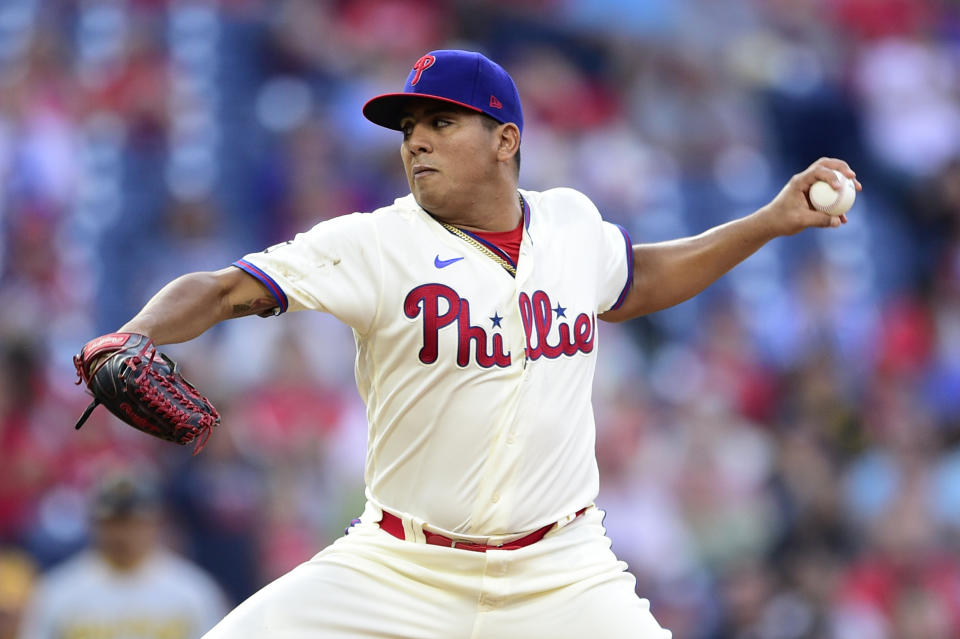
<point x="475" y="308"/>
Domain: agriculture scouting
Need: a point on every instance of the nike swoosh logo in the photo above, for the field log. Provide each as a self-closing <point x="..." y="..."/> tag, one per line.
<point x="444" y="263"/>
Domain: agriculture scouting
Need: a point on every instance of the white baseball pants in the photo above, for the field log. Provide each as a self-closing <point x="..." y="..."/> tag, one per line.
<point x="568" y="585"/>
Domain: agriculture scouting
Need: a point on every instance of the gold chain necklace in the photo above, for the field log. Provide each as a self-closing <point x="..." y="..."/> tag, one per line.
<point x="507" y="266"/>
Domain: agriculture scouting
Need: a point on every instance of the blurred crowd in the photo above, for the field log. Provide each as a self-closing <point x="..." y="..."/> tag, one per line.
<point x="780" y="457"/>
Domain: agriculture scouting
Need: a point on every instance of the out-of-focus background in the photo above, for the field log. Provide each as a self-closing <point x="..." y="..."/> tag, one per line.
<point x="780" y="457"/>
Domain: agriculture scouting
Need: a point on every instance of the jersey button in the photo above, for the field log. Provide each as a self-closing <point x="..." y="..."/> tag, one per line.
<point x="495" y="498"/>
<point x="511" y="440"/>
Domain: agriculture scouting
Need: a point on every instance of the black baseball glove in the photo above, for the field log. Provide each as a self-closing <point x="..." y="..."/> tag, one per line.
<point x="144" y="388"/>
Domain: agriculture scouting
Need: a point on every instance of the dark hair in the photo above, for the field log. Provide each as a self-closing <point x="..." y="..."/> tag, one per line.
<point x="123" y="494"/>
<point x="490" y="125"/>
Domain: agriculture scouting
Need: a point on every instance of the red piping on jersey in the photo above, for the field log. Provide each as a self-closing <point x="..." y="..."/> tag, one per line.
<point x="267" y="281"/>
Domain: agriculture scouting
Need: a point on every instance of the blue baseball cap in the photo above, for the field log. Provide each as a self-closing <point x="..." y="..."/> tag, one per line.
<point x="464" y="78"/>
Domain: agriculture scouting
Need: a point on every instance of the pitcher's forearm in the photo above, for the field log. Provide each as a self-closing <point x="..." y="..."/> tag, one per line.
<point x="684" y="268"/>
<point x="668" y="273"/>
<point x="183" y="309"/>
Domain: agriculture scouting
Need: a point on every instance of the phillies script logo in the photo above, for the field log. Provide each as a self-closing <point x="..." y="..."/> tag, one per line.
<point x="420" y="66"/>
<point x="536" y="313"/>
<point x="425" y="300"/>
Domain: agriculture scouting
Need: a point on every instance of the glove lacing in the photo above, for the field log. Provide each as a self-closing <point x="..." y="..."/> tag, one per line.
<point x="164" y="406"/>
<point x="157" y="401"/>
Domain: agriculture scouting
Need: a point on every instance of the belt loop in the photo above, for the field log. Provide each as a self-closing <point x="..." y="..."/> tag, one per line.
<point x="413" y="529"/>
<point x="566" y="519"/>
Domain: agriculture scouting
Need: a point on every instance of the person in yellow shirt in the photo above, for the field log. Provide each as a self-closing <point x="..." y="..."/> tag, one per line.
<point x="127" y="585"/>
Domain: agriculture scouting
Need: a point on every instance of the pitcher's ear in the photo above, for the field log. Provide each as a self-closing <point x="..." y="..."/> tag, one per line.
<point x="508" y="141"/>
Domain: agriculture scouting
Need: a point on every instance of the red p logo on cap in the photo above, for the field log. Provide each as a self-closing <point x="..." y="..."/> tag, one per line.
<point x="422" y="65"/>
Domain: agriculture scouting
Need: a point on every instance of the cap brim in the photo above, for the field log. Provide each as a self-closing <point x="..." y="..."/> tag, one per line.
<point x="388" y="109"/>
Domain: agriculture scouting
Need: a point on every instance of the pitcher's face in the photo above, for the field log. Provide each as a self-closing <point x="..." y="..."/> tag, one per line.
<point x="447" y="152"/>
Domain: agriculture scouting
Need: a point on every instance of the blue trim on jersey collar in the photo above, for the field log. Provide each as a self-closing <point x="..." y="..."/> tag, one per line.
<point x="525" y="211"/>
<point x="493" y="247"/>
<point x="267" y="281"/>
<point x="626" y="287"/>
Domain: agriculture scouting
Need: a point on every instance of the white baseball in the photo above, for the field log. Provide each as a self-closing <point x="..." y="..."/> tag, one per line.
<point x="825" y="198"/>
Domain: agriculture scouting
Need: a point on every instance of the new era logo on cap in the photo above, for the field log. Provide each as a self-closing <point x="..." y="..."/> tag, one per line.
<point x="464" y="78"/>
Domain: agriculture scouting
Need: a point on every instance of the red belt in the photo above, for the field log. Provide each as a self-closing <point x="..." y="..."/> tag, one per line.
<point x="393" y="525"/>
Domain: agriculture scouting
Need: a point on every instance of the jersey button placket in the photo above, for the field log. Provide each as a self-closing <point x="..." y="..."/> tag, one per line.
<point x="524" y="267"/>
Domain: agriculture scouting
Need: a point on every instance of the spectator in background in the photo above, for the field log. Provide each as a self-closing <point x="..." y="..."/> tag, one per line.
<point x="17" y="574"/>
<point x="126" y="585"/>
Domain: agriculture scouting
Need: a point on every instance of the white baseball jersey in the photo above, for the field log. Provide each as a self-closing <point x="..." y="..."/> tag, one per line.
<point x="477" y="383"/>
<point x="164" y="598"/>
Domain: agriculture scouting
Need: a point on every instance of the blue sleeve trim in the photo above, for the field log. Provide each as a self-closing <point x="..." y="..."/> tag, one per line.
<point x="267" y="281"/>
<point x="626" y="287"/>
